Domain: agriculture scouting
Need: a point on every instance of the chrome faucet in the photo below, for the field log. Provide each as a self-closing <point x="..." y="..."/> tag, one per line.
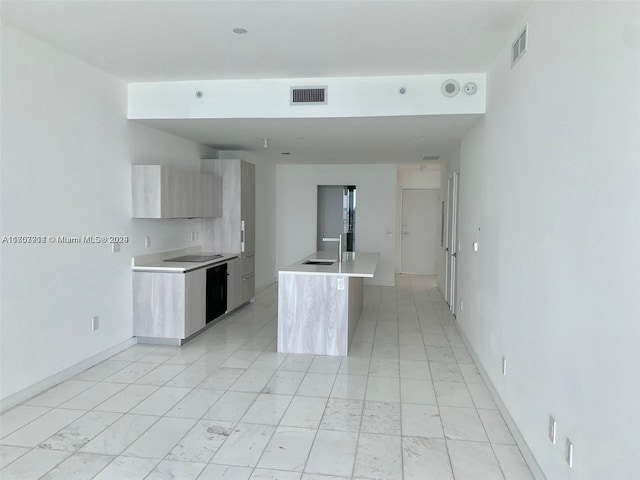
<point x="339" y="240"/>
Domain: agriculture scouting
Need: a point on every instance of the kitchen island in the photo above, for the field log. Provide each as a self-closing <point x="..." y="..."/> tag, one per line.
<point x="319" y="303"/>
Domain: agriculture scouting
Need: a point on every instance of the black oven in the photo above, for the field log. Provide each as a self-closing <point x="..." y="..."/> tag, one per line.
<point x="216" y="292"/>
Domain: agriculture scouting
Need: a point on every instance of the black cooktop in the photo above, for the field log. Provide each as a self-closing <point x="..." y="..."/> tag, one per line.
<point x="201" y="257"/>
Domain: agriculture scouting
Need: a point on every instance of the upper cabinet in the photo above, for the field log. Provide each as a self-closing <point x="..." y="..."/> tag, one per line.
<point x="164" y="192"/>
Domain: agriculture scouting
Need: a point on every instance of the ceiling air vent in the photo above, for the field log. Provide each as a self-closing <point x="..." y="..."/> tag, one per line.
<point x="308" y="95"/>
<point x="519" y="47"/>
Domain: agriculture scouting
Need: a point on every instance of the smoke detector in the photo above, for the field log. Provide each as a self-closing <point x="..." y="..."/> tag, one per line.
<point x="450" y="88"/>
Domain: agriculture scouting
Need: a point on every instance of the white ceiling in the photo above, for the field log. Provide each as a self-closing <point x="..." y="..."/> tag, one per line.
<point x="141" y="40"/>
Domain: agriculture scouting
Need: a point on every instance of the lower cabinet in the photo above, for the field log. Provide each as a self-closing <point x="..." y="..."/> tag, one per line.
<point x="173" y="305"/>
<point x="247" y="268"/>
<point x="234" y="285"/>
<point x="195" y="301"/>
<point x="169" y="305"/>
<point x="248" y="287"/>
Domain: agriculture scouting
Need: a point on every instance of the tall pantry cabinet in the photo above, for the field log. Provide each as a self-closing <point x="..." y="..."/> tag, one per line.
<point x="235" y="230"/>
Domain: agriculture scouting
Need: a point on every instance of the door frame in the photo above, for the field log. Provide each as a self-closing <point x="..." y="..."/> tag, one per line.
<point x="402" y="189"/>
<point x="451" y="244"/>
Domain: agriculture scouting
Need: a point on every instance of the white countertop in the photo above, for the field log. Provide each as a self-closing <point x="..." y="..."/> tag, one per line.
<point x="155" y="262"/>
<point x="358" y="264"/>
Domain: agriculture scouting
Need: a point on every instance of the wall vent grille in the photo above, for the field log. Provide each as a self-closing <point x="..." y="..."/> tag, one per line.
<point x="519" y="47"/>
<point x="308" y="95"/>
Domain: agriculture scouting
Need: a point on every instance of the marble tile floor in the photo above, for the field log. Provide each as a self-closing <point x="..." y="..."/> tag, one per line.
<point x="407" y="404"/>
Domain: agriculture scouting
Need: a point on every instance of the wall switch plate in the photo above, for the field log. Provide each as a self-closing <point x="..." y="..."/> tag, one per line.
<point x="504" y="366"/>
<point x="147" y="241"/>
<point x="95" y="323"/>
<point x="461" y="305"/>
<point x="568" y="453"/>
<point x="340" y="284"/>
<point x="115" y="247"/>
<point x="552" y="429"/>
<point x="475" y="246"/>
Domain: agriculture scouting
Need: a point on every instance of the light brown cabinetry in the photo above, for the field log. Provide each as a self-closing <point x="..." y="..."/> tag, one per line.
<point x="169" y="305"/>
<point x="165" y="192"/>
<point x="235" y="230"/>
<point x="234" y="285"/>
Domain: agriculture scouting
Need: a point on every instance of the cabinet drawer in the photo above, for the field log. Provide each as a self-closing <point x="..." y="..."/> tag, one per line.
<point x="248" y="287"/>
<point x="247" y="263"/>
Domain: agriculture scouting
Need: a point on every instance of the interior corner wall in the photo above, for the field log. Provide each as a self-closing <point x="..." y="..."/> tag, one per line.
<point x="66" y="151"/>
<point x="413" y="176"/>
<point x="549" y="187"/>
<point x="296" y="206"/>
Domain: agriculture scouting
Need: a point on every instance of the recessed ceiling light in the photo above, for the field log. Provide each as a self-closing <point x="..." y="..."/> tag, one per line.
<point x="240" y="31"/>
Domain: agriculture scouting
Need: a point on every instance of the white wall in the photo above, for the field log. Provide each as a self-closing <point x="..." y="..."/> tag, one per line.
<point x="413" y="176"/>
<point x="296" y="205"/>
<point x="269" y="98"/>
<point x="66" y="154"/>
<point x="550" y="188"/>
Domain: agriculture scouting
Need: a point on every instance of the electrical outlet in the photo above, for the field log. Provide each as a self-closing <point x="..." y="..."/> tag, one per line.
<point x="504" y="366"/>
<point x="147" y="241"/>
<point x="568" y="453"/>
<point x="552" y="429"/>
<point x="95" y="323"/>
<point x="340" y="284"/>
<point x="115" y="247"/>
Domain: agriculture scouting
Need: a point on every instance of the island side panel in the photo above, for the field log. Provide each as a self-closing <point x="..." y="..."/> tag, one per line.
<point x="356" y="302"/>
<point x="158" y="304"/>
<point x="312" y="315"/>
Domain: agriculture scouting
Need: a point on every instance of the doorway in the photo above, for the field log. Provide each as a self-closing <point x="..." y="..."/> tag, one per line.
<point x="420" y="233"/>
<point x="336" y="214"/>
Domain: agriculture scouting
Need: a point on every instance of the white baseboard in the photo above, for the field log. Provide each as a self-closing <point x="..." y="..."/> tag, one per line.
<point x="41" y="386"/>
<point x="536" y="471"/>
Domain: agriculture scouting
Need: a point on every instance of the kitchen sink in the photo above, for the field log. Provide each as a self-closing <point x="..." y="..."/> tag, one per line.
<point x="319" y="262"/>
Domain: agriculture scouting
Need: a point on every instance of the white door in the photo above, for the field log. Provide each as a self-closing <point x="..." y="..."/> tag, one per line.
<point x="420" y="231"/>
<point x="451" y="249"/>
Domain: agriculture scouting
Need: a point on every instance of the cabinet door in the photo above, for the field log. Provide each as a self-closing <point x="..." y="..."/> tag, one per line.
<point x="234" y="285"/>
<point x="247" y="263"/>
<point x="181" y="194"/>
<point x="159" y="304"/>
<point x="146" y="191"/>
<point x="248" y="200"/>
<point x="173" y="184"/>
<point x="193" y="196"/>
<point x="195" y="301"/>
<point x="248" y="287"/>
<point x="211" y="196"/>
